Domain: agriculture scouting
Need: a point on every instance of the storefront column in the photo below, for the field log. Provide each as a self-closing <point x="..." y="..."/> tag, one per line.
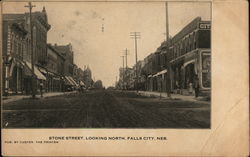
<point x="6" y="80"/>
<point x="17" y="79"/>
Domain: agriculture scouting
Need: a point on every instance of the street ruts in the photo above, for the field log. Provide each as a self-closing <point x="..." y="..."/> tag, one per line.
<point x="105" y="109"/>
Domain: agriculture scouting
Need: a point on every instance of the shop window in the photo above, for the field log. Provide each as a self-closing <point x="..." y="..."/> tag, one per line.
<point x="19" y="49"/>
<point x="182" y="47"/>
<point x="15" y="47"/>
<point x="178" y="52"/>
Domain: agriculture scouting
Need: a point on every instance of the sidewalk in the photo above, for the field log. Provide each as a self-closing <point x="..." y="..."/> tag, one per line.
<point x="175" y="96"/>
<point x="7" y="99"/>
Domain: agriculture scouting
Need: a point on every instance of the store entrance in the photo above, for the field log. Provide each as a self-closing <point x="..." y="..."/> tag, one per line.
<point x="189" y="75"/>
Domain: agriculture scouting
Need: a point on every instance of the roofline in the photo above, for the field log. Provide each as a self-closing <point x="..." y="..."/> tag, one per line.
<point x="56" y="51"/>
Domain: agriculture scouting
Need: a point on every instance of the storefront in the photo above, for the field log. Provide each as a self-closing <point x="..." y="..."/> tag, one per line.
<point x="160" y="81"/>
<point x="205" y="70"/>
<point x="15" y="77"/>
<point x="184" y="70"/>
<point x="149" y="83"/>
<point x="69" y="83"/>
<point x="39" y="78"/>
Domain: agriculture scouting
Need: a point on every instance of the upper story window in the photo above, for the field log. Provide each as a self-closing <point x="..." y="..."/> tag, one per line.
<point x="194" y="40"/>
<point x="14" y="47"/>
<point x="19" y="49"/>
<point x="27" y="20"/>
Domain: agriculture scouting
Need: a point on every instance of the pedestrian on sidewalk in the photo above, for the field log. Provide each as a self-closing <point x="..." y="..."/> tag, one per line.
<point x="190" y="88"/>
<point x="196" y="86"/>
<point x="41" y="88"/>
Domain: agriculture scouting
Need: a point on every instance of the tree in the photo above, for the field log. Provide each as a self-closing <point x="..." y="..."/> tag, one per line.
<point x="98" y="84"/>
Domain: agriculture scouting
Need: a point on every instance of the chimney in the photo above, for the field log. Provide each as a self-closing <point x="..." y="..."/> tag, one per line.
<point x="44" y="11"/>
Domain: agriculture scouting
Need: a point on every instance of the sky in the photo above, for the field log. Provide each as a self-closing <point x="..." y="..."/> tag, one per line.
<point x="80" y="23"/>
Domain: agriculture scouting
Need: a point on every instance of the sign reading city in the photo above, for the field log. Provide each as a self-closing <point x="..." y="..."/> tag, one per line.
<point x="204" y="25"/>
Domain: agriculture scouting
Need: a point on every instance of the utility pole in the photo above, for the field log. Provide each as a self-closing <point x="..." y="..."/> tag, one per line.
<point x="102" y="24"/>
<point x="115" y="81"/>
<point x="136" y="35"/>
<point x="123" y="72"/>
<point x="168" y="79"/>
<point x="30" y="6"/>
<point x="167" y="27"/>
<point x="126" y="58"/>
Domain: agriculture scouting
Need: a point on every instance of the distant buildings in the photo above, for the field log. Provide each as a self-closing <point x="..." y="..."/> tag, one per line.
<point x="54" y="69"/>
<point x="87" y="77"/>
<point x="53" y="64"/>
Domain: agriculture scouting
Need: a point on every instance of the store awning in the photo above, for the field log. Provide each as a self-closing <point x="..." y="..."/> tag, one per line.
<point x="66" y="81"/>
<point x="76" y="84"/>
<point x="50" y="73"/>
<point x="56" y="78"/>
<point x="188" y="62"/>
<point x="82" y="83"/>
<point x="42" y="70"/>
<point x="69" y="81"/>
<point x="38" y="74"/>
<point x="15" y="62"/>
<point x="160" y="73"/>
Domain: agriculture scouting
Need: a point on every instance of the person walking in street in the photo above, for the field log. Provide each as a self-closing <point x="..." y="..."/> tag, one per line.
<point x="41" y="89"/>
<point x="196" y="86"/>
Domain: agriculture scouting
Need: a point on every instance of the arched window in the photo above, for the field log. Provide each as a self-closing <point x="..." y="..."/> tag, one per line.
<point x="195" y="46"/>
<point x="189" y="42"/>
<point x="181" y="47"/>
<point x="186" y="44"/>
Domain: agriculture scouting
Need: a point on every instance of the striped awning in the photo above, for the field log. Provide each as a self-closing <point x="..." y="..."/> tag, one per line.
<point x="82" y="83"/>
<point x="37" y="73"/>
<point x="160" y="73"/>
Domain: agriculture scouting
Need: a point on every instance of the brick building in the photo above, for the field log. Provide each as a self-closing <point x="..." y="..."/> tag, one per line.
<point x="87" y="77"/>
<point x="55" y="69"/>
<point x="39" y="31"/>
<point x="177" y="61"/>
<point x="68" y="54"/>
<point x="68" y="73"/>
<point x="14" y="47"/>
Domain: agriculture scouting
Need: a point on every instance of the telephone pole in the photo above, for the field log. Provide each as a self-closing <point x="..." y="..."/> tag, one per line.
<point x="167" y="29"/>
<point x="115" y="82"/>
<point x="126" y="69"/>
<point x="30" y="6"/>
<point x="168" y="79"/>
<point x="126" y="57"/>
<point x="123" y="72"/>
<point x="135" y="35"/>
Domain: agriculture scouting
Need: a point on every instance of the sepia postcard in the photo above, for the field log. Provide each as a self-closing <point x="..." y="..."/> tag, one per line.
<point x="124" y="78"/>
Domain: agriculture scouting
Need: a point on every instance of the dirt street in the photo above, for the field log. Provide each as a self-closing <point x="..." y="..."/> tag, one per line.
<point x="105" y="109"/>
